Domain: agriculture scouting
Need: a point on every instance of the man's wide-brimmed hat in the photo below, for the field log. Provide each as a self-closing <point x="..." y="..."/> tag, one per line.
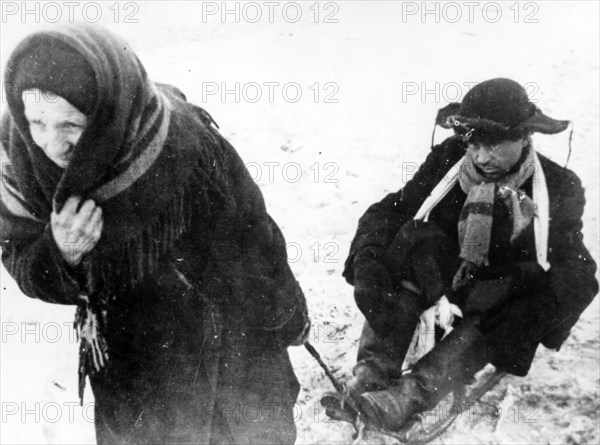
<point x="498" y="106"/>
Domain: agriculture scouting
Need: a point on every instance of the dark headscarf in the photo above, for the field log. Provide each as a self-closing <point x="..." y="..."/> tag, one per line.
<point x="55" y="68"/>
<point x="122" y="160"/>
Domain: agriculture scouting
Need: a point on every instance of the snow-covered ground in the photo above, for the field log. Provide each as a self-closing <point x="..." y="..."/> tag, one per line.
<point x="371" y="78"/>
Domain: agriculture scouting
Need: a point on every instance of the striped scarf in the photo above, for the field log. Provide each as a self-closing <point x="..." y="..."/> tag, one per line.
<point x="476" y="218"/>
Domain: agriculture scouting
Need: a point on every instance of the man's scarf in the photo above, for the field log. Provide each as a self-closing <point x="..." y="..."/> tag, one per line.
<point x="133" y="159"/>
<point x="540" y="198"/>
<point x="476" y="217"/>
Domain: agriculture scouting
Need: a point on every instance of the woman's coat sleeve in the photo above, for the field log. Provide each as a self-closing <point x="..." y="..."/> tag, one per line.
<point x="40" y="271"/>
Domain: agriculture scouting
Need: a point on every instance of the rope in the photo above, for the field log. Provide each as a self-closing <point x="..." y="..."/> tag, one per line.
<point x="337" y="385"/>
<point x="570" y="148"/>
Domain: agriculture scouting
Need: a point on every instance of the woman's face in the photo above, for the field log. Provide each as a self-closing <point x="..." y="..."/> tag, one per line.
<point x="55" y="125"/>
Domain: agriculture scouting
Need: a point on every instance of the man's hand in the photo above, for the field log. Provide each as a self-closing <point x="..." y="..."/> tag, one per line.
<point x="76" y="232"/>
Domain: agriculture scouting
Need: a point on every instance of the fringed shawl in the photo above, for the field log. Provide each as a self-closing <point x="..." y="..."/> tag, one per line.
<point x="121" y="160"/>
<point x="133" y="159"/>
<point x="153" y="186"/>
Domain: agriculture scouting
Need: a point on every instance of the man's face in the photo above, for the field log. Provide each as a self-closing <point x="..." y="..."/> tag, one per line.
<point x="497" y="159"/>
<point x="55" y="125"/>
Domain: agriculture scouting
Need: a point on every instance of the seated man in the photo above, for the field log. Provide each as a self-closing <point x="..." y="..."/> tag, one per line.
<point x="491" y="224"/>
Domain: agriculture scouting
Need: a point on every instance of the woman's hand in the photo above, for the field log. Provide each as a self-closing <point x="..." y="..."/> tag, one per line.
<point x="76" y="232"/>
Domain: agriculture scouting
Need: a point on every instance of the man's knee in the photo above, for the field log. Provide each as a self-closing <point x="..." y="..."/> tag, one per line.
<point x="424" y="256"/>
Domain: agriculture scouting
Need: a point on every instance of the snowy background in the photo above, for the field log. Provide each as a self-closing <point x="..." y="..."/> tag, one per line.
<point x="331" y="110"/>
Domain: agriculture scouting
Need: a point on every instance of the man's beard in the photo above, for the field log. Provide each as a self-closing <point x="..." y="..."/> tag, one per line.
<point x="493" y="173"/>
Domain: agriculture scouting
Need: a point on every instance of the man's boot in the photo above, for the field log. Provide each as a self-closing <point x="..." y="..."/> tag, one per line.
<point x="381" y="354"/>
<point x="380" y="357"/>
<point x="421" y="266"/>
<point x="453" y="362"/>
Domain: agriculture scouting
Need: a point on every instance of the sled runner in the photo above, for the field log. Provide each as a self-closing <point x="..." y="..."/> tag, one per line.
<point x="426" y="426"/>
<point x="431" y="424"/>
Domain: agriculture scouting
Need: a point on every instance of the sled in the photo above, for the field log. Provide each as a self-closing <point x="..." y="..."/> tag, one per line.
<point x="420" y="429"/>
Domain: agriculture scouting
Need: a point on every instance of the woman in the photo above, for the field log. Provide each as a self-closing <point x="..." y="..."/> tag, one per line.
<point x="119" y="197"/>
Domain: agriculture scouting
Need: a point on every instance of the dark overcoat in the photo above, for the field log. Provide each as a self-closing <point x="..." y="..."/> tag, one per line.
<point x="546" y="315"/>
<point x="197" y="301"/>
<point x="198" y="350"/>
